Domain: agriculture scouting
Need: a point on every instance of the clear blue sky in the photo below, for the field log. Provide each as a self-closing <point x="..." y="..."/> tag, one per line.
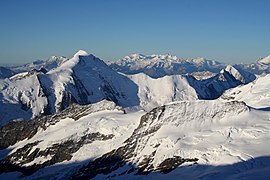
<point x="226" y="30"/>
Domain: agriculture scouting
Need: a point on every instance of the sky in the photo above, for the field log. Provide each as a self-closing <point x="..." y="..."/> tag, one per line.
<point x="231" y="31"/>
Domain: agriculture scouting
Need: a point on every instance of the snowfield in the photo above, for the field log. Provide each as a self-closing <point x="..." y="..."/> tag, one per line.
<point x="255" y="94"/>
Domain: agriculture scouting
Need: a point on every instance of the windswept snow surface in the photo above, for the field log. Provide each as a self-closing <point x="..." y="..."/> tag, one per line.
<point x="227" y="138"/>
<point x="106" y="119"/>
<point x="160" y="91"/>
<point x="265" y="61"/>
<point x="256" y="94"/>
<point x="21" y="98"/>
<point x="217" y="133"/>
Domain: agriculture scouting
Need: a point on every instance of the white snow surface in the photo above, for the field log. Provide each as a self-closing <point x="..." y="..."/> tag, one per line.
<point x="229" y="139"/>
<point x="218" y="133"/>
<point x="256" y="94"/>
<point x="22" y="92"/>
<point x="156" y="92"/>
<point x="265" y="61"/>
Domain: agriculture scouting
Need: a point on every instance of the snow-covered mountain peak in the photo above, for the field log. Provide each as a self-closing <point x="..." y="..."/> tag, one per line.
<point x="264" y="61"/>
<point x="80" y="53"/>
<point x="54" y="58"/>
<point x="78" y="59"/>
<point x="234" y="72"/>
<point x="149" y="58"/>
<point x="135" y="57"/>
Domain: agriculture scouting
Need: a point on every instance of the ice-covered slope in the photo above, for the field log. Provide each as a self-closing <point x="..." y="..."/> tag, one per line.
<point x="255" y="94"/>
<point x="188" y="139"/>
<point x="202" y="134"/>
<point x="21" y="98"/>
<point x="161" y="65"/>
<point x="265" y="61"/>
<point x="160" y="91"/>
<point x="74" y="135"/>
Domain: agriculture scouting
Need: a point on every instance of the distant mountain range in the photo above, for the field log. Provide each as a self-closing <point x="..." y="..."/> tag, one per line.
<point x="162" y="65"/>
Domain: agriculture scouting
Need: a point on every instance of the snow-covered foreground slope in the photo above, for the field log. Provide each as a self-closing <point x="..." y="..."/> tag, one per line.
<point x="203" y="134"/>
<point x="188" y="139"/>
<point x="256" y="94"/>
<point x="77" y="134"/>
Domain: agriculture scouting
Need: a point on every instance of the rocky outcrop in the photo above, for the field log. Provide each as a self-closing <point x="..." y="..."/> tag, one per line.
<point x="19" y="130"/>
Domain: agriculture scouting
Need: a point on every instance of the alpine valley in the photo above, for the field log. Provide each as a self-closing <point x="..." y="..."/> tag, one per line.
<point x="140" y="117"/>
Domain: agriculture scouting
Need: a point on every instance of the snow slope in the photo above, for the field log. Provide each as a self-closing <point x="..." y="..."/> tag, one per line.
<point x="160" y="91"/>
<point x="206" y="134"/>
<point x="256" y="94"/>
<point x="191" y="139"/>
<point x="265" y="60"/>
<point x="21" y="98"/>
<point x="75" y="135"/>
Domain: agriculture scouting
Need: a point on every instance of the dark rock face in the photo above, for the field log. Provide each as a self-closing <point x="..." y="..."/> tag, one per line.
<point x="127" y="154"/>
<point x="171" y="163"/>
<point x="213" y="87"/>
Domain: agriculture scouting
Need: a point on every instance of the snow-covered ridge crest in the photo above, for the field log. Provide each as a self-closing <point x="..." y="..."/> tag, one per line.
<point x="256" y="94"/>
<point x="264" y="61"/>
<point x="160" y="91"/>
<point x="204" y="132"/>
